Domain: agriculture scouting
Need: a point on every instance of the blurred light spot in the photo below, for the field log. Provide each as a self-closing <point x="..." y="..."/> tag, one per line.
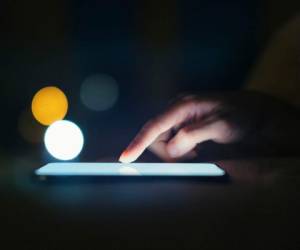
<point x="99" y="92"/>
<point x="64" y="140"/>
<point x="29" y="129"/>
<point x="49" y="105"/>
<point x="128" y="171"/>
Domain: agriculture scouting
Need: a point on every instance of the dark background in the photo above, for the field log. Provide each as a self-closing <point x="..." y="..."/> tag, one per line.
<point x="153" y="49"/>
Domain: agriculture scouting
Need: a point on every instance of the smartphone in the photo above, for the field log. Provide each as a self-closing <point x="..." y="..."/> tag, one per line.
<point x="132" y="169"/>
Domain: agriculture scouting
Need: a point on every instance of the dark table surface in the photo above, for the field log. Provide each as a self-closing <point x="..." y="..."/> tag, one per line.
<point x="258" y="208"/>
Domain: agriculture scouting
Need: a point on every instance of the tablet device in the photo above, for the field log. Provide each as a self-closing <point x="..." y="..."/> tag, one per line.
<point x="132" y="169"/>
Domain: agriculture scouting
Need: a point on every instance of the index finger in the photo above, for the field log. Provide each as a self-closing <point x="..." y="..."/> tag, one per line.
<point x="153" y="129"/>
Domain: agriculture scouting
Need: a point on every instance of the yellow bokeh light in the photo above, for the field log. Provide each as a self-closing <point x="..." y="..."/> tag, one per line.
<point x="49" y="105"/>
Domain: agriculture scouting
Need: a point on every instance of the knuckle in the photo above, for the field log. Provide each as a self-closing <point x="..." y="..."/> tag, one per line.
<point x="186" y="100"/>
<point x="185" y="96"/>
<point x="190" y="101"/>
<point x="186" y="105"/>
<point x="227" y="131"/>
<point x="189" y="98"/>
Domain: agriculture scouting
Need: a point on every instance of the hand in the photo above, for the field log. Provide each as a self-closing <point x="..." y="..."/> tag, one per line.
<point x="247" y="118"/>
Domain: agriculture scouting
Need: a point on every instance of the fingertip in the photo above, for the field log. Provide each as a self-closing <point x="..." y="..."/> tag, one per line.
<point x="123" y="157"/>
<point x="126" y="157"/>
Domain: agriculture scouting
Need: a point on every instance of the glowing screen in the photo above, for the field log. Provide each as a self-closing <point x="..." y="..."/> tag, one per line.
<point x="133" y="169"/>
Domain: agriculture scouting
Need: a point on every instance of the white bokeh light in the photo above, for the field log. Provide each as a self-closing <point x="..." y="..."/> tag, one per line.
<point x="64" y="140"/>
<point x="99" y="92"/>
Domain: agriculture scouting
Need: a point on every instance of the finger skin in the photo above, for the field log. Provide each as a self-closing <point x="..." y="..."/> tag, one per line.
<point x="153" y="129"/>
<point x="188" y="137"/>
<point x="159" y="148"/>
<point x="174" y="116"/>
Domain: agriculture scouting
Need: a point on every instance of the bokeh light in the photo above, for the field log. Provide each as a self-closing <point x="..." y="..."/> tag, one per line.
<point x="29" y="129"/>
<point x="99" y="92"/>
<point x="49" y="105"/>
<point x="64" y="140"/>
